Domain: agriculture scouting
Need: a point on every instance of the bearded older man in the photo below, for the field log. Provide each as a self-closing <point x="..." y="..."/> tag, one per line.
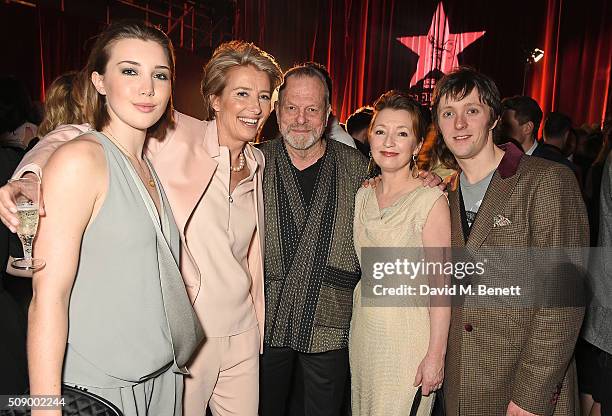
<point x="311" y="267"/>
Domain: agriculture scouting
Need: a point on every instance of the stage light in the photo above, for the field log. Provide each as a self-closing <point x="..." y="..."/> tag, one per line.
<point x="536" y="55"/>
<point x="533" y="55"/>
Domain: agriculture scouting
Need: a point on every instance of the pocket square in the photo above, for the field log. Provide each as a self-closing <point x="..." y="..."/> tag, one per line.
<point x="500" y="221"/>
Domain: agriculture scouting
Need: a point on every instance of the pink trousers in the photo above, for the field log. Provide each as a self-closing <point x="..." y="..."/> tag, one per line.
<point x="224" y="375"/>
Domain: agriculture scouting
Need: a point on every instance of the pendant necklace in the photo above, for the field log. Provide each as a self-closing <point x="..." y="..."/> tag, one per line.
<point x="123" y="150"/>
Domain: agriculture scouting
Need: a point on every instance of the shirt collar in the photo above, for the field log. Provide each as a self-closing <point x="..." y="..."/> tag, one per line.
<point x="532" y="148"/>
<point x="222" y="158"/>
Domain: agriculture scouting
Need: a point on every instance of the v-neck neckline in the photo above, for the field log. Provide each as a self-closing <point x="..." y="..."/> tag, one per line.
<point x="141" y="185"/>
<point x="381" y="211"/>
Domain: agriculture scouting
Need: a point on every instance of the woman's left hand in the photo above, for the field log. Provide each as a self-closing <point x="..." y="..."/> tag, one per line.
<point x="430" y="374"/>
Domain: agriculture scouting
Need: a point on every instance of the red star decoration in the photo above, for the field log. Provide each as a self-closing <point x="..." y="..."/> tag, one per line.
<point x="438" y="49"/>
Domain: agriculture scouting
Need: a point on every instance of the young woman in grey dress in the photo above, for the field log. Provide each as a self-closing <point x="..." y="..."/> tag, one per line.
<point x="110" y="312"/>
<point x="393" y="350"/>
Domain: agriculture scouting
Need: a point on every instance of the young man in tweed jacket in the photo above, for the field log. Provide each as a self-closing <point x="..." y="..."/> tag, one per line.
<point x="512" y="361"/>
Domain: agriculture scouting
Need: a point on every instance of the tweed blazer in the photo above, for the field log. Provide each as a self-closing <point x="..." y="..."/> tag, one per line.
<point x="183" y="160"/>
<point x="525" y="355"/>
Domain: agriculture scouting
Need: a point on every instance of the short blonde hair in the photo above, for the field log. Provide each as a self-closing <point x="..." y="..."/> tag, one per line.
<point x="227" y="56"/>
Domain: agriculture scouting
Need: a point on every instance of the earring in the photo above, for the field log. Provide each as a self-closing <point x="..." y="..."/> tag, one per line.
<point x="414" y="169"/>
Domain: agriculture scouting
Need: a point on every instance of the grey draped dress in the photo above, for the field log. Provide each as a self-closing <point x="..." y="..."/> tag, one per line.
<point x="131" y="326"/>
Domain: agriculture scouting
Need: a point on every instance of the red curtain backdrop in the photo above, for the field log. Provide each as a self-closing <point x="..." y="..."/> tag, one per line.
<point x="42" y="43"/>
<point x="357" y="40"/>
<point x="574" y="77"/>
<point x="39" y="44"/>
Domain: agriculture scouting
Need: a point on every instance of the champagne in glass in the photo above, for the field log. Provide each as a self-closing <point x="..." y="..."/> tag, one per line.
<point x="27" y="212"/>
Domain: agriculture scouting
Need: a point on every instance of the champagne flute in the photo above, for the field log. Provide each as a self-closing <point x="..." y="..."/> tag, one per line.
<point x="27" y="201"/>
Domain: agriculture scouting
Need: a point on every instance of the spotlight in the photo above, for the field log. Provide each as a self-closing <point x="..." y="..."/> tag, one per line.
<point x="532" y="56"/>
<point x="536" y="55"/>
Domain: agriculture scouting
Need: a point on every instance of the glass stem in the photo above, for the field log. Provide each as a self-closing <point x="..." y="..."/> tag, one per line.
<point x="27" y="247"/>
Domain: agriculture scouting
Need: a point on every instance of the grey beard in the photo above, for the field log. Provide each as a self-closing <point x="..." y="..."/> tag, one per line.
<point x="300" y="143"/>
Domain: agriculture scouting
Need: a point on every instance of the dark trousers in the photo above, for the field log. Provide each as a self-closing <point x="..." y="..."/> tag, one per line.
<point x="13" y="362"/>
<point x="595" y="374"/>
<point x="605" y="393"/>
<point x="299" y="384"/>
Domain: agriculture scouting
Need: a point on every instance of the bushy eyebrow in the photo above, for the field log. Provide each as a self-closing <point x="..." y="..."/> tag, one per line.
<point x="288" y="102"/>
<point x="465" y="104"/>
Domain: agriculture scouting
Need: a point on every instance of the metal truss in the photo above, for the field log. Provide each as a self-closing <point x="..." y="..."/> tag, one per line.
<point x="196" y="25"/>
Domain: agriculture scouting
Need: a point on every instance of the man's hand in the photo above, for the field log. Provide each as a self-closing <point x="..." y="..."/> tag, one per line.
<point x="371" y="182"/>
<point x="8" y="209"/>
<point x="431" y="180"/>
<point x="514" y="410"/>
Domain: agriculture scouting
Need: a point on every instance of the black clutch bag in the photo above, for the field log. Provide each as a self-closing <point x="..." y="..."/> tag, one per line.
<point x="416" y="402"/>
<point x="438" y="407"/>
<point x="77" y="402"/>
<point x="80" y="402"/>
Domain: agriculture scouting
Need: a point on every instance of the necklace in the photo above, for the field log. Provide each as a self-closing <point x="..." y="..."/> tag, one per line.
<point x="123" y="150"/>
<point x="241" y="163"/>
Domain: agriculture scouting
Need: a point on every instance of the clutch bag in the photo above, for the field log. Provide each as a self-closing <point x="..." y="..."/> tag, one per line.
<point x="416" y="402"/>
<point x="438" y="405"/>
<point x="77" y="402"/>
<point x="80" y="402"/>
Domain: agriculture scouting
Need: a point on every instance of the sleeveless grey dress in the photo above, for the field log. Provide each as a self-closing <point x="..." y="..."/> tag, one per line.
<point x="131" y="325"/>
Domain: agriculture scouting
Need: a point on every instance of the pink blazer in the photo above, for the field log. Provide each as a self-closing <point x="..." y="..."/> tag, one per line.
<point x="183" y="161"/>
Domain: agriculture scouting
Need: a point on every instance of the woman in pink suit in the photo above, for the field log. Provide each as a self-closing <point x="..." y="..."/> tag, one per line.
<point x="213" y="180"/>
<point x="225" y="233"/>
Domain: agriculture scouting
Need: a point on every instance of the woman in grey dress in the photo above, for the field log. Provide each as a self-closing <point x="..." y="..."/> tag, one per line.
<point x="110" y="312"/>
